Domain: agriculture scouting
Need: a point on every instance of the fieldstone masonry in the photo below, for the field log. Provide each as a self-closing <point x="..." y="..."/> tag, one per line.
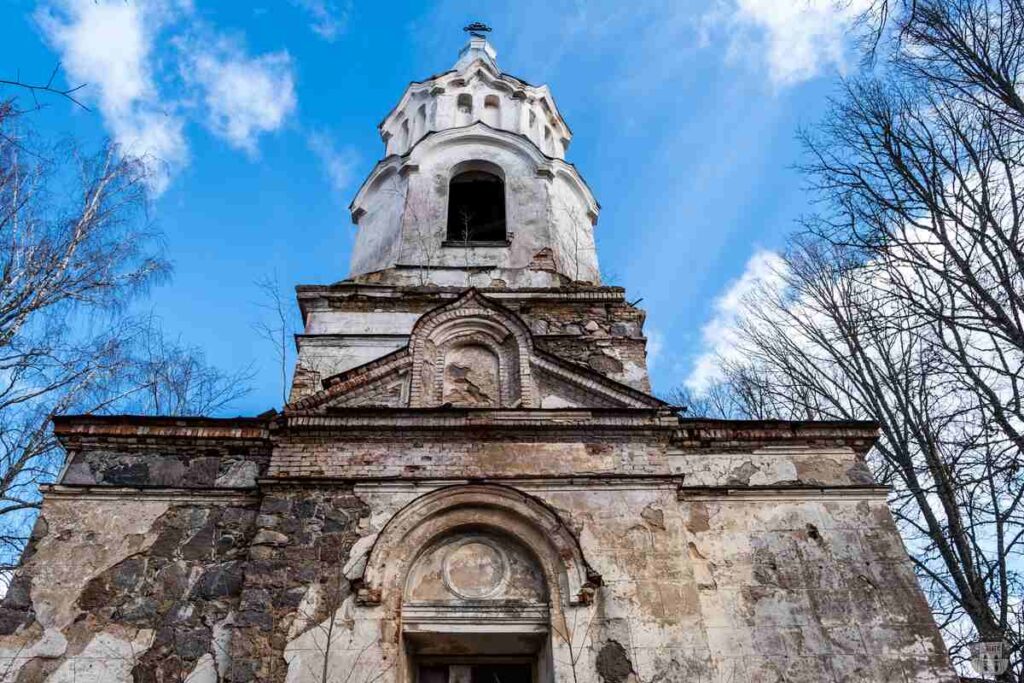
<point x="471" y="481"/>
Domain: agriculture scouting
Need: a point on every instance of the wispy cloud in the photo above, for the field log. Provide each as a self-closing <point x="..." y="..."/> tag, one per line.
<point x="109" y="46"/>
<point x="328" y="19"/>
<point x="795" y="39"/>
<point x="339" y="163"/>
<point x="655" y="346"/>
<point x="151" y="68"/>
<point x="244" y="96"/>
<point x="719" y="337"/>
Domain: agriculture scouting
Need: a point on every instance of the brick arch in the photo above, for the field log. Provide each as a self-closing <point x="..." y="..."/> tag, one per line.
<point x="490" y="507"/>
<point x="468" y="320"/>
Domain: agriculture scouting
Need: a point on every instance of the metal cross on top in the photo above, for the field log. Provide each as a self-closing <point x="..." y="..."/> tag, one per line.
<point x="477" y="29"/>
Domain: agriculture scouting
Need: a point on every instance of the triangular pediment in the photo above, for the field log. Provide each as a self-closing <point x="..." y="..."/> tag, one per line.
<point x="475" y="353"/>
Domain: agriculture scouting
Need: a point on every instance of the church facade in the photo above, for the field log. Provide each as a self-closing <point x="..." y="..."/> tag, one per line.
<point x="472" y="481"/>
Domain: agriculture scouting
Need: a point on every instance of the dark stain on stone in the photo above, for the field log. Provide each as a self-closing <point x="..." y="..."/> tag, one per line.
<point x="654" y="517"/>
<point x="741" y="477"/>
<point x="613" y="664"/>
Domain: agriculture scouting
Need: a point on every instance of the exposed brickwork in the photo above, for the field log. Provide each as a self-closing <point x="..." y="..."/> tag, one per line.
<point x="530" y="455"/>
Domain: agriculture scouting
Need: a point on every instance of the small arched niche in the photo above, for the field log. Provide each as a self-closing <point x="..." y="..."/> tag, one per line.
<point x="464" y="109"/>
<point x="492" y="111"/>
<point x="476" y="204"/>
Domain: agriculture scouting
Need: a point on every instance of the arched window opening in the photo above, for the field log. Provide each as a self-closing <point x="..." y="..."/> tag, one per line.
<point x="476" y="207"/>
<point x="549" y="145"/>
<point x="403" y="138"/>
<point x="465" y="109"/>
<point x="492" y="111"/>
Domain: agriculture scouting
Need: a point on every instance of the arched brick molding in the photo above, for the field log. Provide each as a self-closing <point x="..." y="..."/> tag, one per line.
<point x="471" y="320"/>
<point x="494" y="508"/>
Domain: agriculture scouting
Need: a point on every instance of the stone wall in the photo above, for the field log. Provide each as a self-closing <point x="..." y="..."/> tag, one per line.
<point x="671" y="550"/>
<point x="295" y="576"/>
<point x="124" y="586"/>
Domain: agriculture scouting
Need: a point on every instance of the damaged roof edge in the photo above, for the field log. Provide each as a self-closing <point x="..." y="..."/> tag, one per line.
<point x="241" y="427"/>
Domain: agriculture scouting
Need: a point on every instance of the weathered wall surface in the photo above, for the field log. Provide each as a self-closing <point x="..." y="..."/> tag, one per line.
<point x="123" y="587"/>
<point x="401" y="209"/>
<point x="808" y="587"/>
<point x="712" y="552"/>
<point x="295" y="578"/>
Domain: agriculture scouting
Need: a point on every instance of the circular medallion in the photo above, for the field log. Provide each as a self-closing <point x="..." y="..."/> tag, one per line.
<point x="475" y="569"/>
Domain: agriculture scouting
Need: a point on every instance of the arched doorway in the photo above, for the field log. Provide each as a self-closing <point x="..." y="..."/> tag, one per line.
<point x="473" y="581"/>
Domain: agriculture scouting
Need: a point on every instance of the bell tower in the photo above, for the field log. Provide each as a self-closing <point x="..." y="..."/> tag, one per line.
<point x="474" y="210"/>
<point x="474" y="186"/>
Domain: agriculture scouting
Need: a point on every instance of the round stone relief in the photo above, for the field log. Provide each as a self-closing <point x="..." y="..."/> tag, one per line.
<point x="475" y="568"/>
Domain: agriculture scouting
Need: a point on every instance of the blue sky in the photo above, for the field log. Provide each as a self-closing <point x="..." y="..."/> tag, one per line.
<point x="264" y="115"/>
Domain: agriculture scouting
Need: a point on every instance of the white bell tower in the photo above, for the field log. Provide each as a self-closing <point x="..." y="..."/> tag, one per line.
<point x="474" y="188"/>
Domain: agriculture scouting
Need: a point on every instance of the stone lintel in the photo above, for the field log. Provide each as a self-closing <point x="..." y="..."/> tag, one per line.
<point x="525" y="482"/>
<point x="782" y="492"/>
<point x="127" y="493"/>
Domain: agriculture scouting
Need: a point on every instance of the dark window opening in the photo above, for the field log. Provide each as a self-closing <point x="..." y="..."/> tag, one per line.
<point x="476" y="208"/>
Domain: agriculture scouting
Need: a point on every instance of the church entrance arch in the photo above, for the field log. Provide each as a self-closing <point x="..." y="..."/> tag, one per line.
<point x="476" y="575"/>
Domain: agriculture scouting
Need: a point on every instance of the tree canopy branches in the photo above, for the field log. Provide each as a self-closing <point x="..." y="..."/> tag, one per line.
<point x="902" y="301"/>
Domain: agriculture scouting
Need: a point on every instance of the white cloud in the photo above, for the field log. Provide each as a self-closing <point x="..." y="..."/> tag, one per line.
<point x="327" y="19"/>
<point x="655" y="346"/>
<point x="719" y="335"/>
<point x="244" y="96"/>
<point x="150" y="67"/>
<point x="795" y="39"/>
<point x="339" y="164"/>
<point x="108" y="47"/>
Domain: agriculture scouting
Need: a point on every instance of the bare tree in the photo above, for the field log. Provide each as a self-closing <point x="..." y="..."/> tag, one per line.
<point x="35" y="89"/>
<point x="903" y="302"/>
<point x="423" y="243"/>
<point x="576" y="635"/>
<point x="75" y="250"/>
<point x="276" y="327"/>
<point x="834" y="344"/>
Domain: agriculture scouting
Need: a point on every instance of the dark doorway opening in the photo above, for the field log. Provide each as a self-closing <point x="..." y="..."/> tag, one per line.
<point x="476" y="208"/>
<point x="503" y="673"/>
<point x="475" y="673"/>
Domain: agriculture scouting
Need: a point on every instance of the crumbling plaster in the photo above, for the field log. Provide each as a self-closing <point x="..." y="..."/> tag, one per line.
<point x="401" y="209"/>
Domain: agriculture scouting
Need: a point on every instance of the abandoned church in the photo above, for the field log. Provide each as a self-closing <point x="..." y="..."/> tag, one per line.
<point x="471" y="481"/>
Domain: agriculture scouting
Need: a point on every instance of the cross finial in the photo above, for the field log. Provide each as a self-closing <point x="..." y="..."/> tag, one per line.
<point x="477" y="29"/>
